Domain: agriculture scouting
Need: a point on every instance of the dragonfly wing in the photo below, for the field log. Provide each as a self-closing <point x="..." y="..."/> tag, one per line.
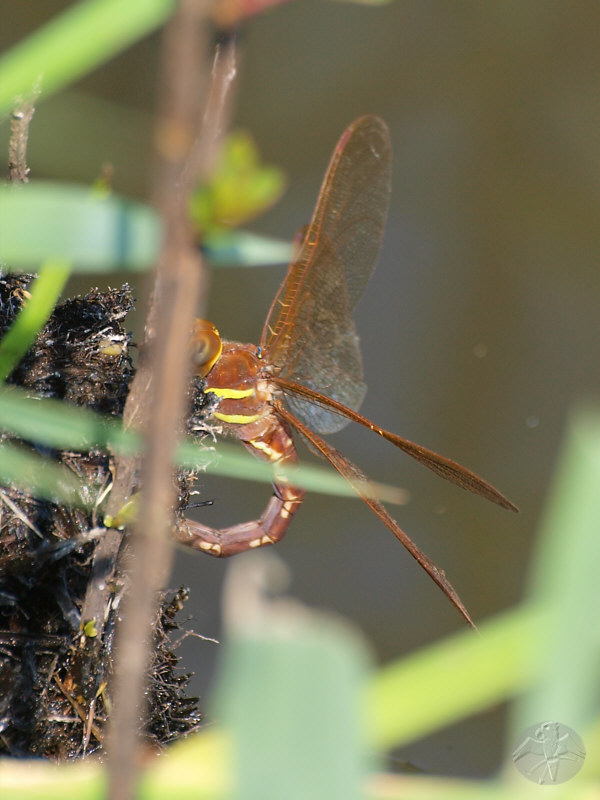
<point x="309" y="335"/>
<point x="442" y="466"/>
<point x="359" y="482"/>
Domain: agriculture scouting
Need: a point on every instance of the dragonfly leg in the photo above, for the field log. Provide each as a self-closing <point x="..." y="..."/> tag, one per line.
<point x="269" y="529"/>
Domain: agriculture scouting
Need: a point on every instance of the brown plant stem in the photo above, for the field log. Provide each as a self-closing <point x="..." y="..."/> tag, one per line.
<point x="18" y="171"/>
<point x="157" y="399"/>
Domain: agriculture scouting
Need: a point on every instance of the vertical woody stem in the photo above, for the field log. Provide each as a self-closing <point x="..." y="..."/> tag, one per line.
<point x="157" y="397"/>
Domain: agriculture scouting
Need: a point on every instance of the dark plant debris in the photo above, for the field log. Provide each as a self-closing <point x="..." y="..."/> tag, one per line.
<point x="46" y="549"/>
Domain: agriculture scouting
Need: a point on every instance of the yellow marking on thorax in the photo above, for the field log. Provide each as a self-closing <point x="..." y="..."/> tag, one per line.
<point x="237" y="419"/>
<point x="230" y="394"/>
<point x="265" y="448"/>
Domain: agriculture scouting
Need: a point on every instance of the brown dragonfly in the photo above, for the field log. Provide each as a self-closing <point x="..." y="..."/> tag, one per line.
<point x="306" y="374"/>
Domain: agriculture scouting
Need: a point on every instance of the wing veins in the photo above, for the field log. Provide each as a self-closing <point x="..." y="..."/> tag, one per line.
<point x="442" y="466"/>
<point x="358" y="480"/>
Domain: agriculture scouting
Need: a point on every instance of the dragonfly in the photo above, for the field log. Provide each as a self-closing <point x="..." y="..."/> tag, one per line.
<point x="306" y="374"/>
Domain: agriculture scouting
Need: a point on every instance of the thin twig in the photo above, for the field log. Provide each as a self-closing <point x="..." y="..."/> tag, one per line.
<point x="18" y="171"/>
<point x="86" y="716"/>
<point x="157" y="398"/>
<point x="204" y="146"/>
<point x="216" y="115"/>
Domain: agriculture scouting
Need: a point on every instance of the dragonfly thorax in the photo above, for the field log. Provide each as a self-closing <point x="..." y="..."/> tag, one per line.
<point x="237" y="379"/>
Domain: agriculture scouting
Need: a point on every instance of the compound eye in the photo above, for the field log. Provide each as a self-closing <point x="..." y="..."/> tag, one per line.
<point x="206" y="347"/>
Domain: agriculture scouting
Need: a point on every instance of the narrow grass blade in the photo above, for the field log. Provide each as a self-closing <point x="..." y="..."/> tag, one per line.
<point x="81" y="38"/>
<point x="453" y="679"/>
<point x="565" y="582"/>
<point x="65" y="426"/>
<point x="45" y="291"/>
<point x="38" y="475"/>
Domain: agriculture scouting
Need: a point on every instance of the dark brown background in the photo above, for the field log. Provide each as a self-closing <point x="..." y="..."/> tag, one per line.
<point x="491" y="247"/>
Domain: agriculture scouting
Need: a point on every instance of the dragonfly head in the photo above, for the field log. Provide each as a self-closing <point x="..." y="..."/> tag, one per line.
<point x="206" y="346"/>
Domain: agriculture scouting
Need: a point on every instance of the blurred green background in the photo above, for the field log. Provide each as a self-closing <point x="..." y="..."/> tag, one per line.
<point x="480" y="328"/>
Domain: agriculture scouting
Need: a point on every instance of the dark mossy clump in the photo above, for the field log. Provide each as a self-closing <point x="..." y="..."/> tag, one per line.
<point x="46" y="550"/>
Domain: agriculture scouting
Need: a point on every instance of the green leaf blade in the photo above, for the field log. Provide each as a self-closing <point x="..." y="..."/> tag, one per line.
<point x="304" y="696"/>
<point x="34" y="314"/>
<point x="81" y="38"/>
<point x="44" y="220"/>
